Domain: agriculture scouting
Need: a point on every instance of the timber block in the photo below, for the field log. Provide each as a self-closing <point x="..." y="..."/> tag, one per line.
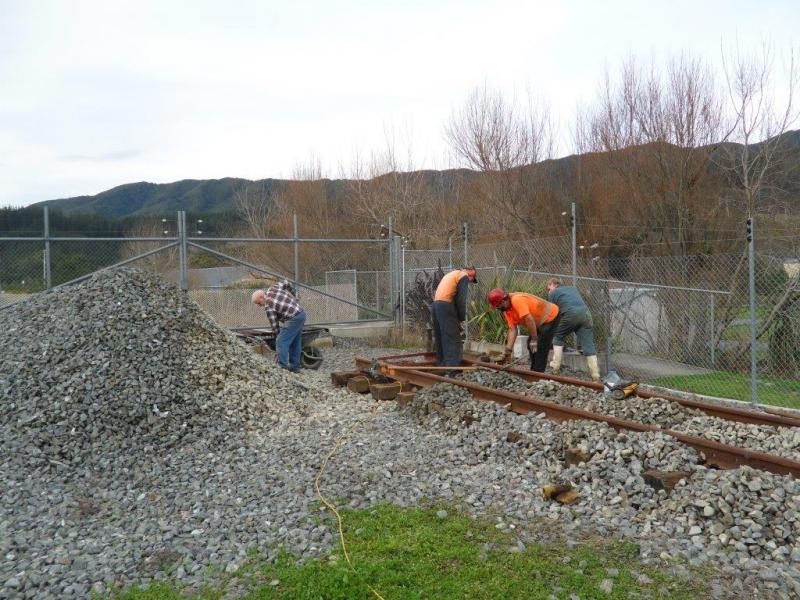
<point x="563" y="493"/>
<point x="358" y="384"/>
<point x="568" y="497"/>
<point x="404" y="398"/>
<point x="575" y="456"/>
<point x="385" y="391"/>
<point x="341" y="378"/>
<point x="550" y="491"/>
<point x="664" y="480"/>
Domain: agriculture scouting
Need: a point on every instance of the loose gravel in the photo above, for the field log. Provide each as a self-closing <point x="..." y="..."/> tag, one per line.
<point x="139" y="439"/>
<point x="780" y="441"/>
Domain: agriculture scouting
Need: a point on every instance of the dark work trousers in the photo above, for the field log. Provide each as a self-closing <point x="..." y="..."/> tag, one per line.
<point x="544" y="340"/>
<point x="447" y="333"/>
<point x="580" y="323"/>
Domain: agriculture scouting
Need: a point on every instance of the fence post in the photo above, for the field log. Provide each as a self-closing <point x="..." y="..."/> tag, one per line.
<point x="450" y="248"/>
<point x="403" y="289"/>
<point x="574" y="247"/>
<point x="48" y="280"/>
<point x="711" y="327"/>
<point x="466" y="241"/>
<point x="752" y="286"/>
<point x="183" y="279"/>
<point x="355" y="290"/>
<point x="392" y="274"/>
<point x="296" y="254"/>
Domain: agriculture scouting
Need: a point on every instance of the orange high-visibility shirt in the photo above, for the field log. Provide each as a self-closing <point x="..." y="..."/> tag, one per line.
<point x="446" y="290"/>
<point x="523" y="304"/>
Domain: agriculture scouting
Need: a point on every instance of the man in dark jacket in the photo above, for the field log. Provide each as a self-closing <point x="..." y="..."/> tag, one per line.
<point x="449" y="311"/>
<point x="575" y="318"/>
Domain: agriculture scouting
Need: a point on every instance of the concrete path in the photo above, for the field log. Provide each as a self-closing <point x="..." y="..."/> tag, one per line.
<point x="652" y="368"/>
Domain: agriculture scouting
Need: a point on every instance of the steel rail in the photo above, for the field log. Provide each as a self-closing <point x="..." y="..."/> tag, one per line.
<point x="715" y="453"/>
<point x="729" y="413"/>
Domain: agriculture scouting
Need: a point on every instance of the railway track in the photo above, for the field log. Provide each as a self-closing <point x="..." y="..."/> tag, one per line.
<point x="411" y="368"/>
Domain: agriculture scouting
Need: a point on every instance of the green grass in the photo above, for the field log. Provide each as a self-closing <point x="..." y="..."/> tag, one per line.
<point x="414" y="554"/>
<point x="771" y="390"/>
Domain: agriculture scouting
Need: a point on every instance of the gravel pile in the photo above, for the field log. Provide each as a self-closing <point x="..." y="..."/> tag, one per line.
<point x="124" y="409"/>
<point x="780" y="441"/>
<point x="192" y="451"/>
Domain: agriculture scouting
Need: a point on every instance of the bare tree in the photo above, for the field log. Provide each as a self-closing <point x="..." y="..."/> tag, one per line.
<point x="656" y="131"/>
<point x="257" y="207"/>
<point x="763" y="113"/>
<point x="506" y="143"/>
<point x="387" y="183"/>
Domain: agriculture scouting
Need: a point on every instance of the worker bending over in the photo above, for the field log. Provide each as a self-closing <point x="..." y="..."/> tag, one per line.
<point x="575" y="317"/>
<point x="449" y="312"/>
<point x="537" y="315"/>
<point x="287" y="318"/>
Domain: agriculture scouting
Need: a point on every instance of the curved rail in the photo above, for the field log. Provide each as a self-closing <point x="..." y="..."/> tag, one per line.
<point x="716" y="453"/>
<point x="731" y="413"/>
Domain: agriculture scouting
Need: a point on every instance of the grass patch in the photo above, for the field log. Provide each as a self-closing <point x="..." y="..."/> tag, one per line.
<point x="413" y="554"/>
<point x="771" y="390"/>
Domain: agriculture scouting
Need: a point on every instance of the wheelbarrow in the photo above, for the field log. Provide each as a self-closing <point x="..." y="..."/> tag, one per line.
<point x="311" y="357"/>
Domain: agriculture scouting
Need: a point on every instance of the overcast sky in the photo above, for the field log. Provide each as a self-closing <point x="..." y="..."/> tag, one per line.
<point x="94" y="94"/>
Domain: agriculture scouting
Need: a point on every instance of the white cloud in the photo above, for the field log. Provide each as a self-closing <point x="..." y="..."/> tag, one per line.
<point x="173" y="90"/>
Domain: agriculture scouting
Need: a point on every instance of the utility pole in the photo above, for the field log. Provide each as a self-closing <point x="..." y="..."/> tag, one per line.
<point x="752" y="285"/>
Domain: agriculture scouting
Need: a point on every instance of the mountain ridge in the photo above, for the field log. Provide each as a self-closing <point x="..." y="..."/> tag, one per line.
<point x="218" y="195"/>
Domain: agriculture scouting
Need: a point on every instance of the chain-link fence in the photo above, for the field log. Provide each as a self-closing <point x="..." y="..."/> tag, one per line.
<point x="327" y="294"/>
<point x="724" y="325"/>
<point x="678" y="322"/>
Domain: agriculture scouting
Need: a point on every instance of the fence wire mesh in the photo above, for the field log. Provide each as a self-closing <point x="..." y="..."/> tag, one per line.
<point x="222" y="275"/>
<point x="680" y="322"/>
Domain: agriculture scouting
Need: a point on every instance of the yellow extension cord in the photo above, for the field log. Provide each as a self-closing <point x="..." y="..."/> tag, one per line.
<point x="339" y="441"/>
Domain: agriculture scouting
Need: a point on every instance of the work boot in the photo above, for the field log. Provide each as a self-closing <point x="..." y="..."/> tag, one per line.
<point x="558" y="355"/>
<point x="594" y="370"/>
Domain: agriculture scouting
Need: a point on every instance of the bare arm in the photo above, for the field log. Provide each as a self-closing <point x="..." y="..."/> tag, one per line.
<point x="511" y="337"/>
<point x="530" y="324"/>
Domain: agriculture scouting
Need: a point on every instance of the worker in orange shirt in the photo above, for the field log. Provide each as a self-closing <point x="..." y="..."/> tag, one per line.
<point x="537" y="315"/>
<point x="449" y="311"/>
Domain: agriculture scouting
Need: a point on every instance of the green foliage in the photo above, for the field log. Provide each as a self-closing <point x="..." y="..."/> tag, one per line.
<point x="492" y="325"/>
<point x="414" y="553"/>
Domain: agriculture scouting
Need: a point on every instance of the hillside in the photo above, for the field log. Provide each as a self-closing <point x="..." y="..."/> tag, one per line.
<point x="198" y="196"/>
<point x="218" y="195"/>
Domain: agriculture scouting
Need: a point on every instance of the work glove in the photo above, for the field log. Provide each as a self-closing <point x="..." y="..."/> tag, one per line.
<point x="463" y="335"/>
<point x="533" y="345"/>
<point x="506" y="357"/>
